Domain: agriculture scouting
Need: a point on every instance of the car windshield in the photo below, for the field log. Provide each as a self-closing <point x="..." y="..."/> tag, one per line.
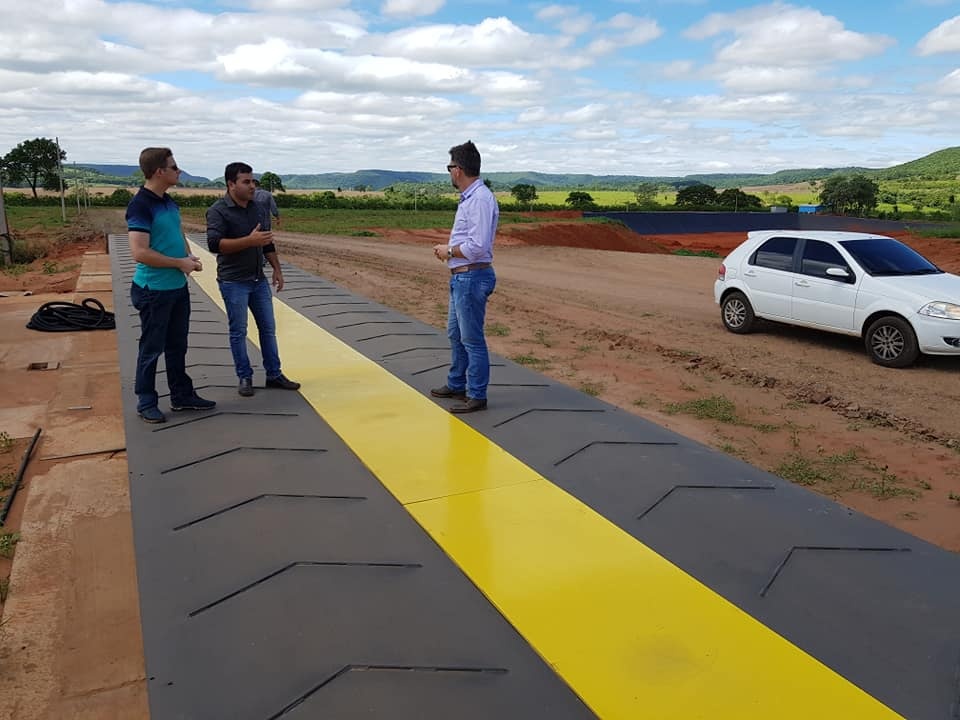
<point x="886" y="256"/>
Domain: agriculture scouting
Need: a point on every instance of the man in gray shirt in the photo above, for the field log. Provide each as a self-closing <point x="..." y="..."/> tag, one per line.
<point x="266" y="206"/>
<point x="236" y="236"/>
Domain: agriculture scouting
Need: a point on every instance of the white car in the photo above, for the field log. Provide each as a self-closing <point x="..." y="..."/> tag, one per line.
<point x="868" y="286"/>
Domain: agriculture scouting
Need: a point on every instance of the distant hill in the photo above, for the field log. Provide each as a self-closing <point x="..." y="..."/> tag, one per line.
<point x="125" y="172"/>
<point x="943" y="164"/>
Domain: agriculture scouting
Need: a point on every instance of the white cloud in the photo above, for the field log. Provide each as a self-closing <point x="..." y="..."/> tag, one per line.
<point x="567" y="18"/>
<point x="411" y="8"/>
<point x="781" y="34"/>
<point x="950" y="84"/>
<point x="942" y="39"/>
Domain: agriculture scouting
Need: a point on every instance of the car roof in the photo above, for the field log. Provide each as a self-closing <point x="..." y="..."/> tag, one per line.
<point x="835" y="235"/>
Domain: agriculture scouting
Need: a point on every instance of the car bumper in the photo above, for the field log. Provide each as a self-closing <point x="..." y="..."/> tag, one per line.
<point x="934" y="335"/>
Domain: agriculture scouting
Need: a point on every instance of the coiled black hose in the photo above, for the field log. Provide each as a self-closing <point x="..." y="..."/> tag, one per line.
<point x="60" y="316"/>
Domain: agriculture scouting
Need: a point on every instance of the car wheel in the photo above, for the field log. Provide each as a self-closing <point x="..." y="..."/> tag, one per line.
<point x="891" y="342"/>
<point x="737" y="313"/>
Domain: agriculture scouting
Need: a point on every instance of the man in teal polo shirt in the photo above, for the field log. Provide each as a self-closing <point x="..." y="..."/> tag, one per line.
<point x="159" y="289"/>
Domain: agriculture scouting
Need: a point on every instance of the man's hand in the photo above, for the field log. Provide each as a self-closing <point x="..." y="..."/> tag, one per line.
<point x="440" y="251"/>
<point x="278" y="279"/>
<point x="259" y="238"/>
<point x="190" y="264"/>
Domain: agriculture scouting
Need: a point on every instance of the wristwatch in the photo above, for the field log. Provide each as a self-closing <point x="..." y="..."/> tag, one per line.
<point x="449" y="252"/>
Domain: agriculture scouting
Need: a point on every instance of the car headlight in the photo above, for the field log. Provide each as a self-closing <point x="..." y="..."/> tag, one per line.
<point x="945" y="310"/>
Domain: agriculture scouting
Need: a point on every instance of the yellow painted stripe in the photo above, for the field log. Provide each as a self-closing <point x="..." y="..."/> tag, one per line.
<point x="632" y="634"/>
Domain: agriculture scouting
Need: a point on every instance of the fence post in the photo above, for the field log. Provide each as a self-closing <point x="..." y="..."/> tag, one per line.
<point x="6" y="242"/>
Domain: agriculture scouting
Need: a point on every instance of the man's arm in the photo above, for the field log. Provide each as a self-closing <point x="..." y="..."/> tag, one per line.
<point x="141" y="252"/>
<point x="217" y="243"/>
<point x="277" y="272"/>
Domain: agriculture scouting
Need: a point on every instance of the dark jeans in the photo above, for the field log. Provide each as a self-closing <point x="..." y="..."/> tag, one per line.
<point x="255" y="295"/>
<point x="164" y="325"/>
<point x="469" y="361"/>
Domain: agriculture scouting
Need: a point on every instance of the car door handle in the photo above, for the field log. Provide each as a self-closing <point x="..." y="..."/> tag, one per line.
<point x="750" y="273"/>
<point x="802" y="283"/>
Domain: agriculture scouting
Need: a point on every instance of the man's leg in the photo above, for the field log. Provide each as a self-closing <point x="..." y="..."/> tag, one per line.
<point x="457" y="376"/>
<point x="471" y="314"/>
<point x="235" y="299"/>
<point x="154" y="317"/>
<point x="175" y="351"/>
<point x="261" y="305"/>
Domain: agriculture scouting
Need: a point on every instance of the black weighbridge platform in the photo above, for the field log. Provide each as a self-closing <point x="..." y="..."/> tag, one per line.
<point x="353" y="550"/>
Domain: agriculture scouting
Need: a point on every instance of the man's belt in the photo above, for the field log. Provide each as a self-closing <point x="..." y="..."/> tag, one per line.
<point x="467" y="268"/>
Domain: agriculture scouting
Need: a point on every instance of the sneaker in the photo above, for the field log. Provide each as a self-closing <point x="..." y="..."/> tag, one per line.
<point x="246" y="387"/>
<point x="152" y="415"/>
<point x="194" y="402"/>
<point x="446" y="392"/>
<point x="283" y="382"/>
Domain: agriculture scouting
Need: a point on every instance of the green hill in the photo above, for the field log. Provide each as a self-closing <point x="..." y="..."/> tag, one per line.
<point x="941" y="165"/>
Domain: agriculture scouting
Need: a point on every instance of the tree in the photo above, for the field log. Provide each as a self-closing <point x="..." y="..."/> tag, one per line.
<point x="524" y="193"/>
<point x="646" y="194"/>
<point x="736" y="199"/>
<point x="33" y="162"/>
<point x="698" y="195"/>
<point x="271" y="182"/>
<point x="856" y="194"/>
<point x="580" y="200"/>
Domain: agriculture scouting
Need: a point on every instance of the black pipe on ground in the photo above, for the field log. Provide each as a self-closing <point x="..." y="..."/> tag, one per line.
<point x="8" y="501"/>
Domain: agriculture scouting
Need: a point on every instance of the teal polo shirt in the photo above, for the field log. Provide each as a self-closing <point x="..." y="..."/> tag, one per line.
<point x="159" y="217"/>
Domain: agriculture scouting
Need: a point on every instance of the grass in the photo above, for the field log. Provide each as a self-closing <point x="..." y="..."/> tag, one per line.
<point x="949" y="232"/>
<point x="715" y="407"/>
<point x="6" y="442"/>
<point x="697" y="253"/>
<point x="953" y="496"/>
<point x="498" y="329"/>
<point x="593" y="389"/>
<point x="48" y="217"/>
<point x="8" y="541"/>
<point x="807" y="471"/>
<point x="541" y="336"/>
<point x="16" y="270"/>
<point x="6" y="480"/>
<point x="531" y="361"/>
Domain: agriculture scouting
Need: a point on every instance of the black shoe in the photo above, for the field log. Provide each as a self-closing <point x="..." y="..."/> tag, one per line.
<point x="193" y="403"/>
<point x="152" y="415"/>
<point x="246" y="387"/>
<point x="446" y="392"/>
<point x="283" y="382"/>
<point x="471" y="405"/>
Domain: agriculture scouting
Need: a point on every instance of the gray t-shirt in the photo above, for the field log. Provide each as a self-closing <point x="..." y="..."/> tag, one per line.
<point x="266" y="206"/>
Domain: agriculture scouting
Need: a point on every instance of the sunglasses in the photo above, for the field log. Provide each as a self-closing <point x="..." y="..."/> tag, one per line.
<point x="451" y="167"/>
<point x="172" y="167"/>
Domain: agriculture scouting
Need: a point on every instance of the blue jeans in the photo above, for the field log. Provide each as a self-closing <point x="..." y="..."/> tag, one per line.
<point x="255" y="295"/>
<point x="164" y="326"/>
<point x="469" y="361"/>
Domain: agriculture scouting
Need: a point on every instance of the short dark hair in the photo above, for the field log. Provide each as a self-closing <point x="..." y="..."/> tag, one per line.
<point x="153" y="159"/>
<point x="467" y="157"/>
<point x="231" y="171"/>
<point x="256" y="182"/>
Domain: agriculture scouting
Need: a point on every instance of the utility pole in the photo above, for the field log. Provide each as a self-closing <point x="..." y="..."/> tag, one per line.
<point x="63" y="202"/>
<point x="6" y="242"/>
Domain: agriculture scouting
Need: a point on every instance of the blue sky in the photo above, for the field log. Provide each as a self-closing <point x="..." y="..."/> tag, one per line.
<point x="639" y="87"/>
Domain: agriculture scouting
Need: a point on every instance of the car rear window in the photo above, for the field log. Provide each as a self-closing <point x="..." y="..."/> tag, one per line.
<point x="776" y="253"/>
<point x="886" y="256"/>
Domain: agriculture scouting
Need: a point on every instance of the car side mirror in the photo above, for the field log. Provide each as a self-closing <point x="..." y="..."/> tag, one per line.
<point x="838" y="272"/>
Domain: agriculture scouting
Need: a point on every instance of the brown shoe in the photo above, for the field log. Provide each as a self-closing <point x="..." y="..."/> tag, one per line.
<point x="446" y="392"/>
<point x="471" y="405"/>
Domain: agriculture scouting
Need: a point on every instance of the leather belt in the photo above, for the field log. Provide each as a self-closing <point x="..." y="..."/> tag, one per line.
<point x="471" y="266"/>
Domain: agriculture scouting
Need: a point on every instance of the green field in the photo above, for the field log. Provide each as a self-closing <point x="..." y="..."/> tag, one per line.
<point x="23" y="218"/>
<point x="361" y="222"/>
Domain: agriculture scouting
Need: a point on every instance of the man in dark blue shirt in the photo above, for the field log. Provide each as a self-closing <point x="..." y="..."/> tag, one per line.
<point x="235" y="236"/>
<point x="159" y="289"/>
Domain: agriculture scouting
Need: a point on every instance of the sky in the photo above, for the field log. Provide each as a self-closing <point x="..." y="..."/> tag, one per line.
<point x="631" y="87"/>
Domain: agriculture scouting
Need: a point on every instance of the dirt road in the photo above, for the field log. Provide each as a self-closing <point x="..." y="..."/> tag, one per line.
<point x="641" y="331"/>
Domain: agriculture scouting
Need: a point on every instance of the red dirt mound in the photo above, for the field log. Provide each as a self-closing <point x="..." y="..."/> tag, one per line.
<point x="593" y="236"/>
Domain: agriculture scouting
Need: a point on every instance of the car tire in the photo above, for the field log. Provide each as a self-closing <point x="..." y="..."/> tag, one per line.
<point x="891" y="342"/>
<point x="737" y="313"/>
